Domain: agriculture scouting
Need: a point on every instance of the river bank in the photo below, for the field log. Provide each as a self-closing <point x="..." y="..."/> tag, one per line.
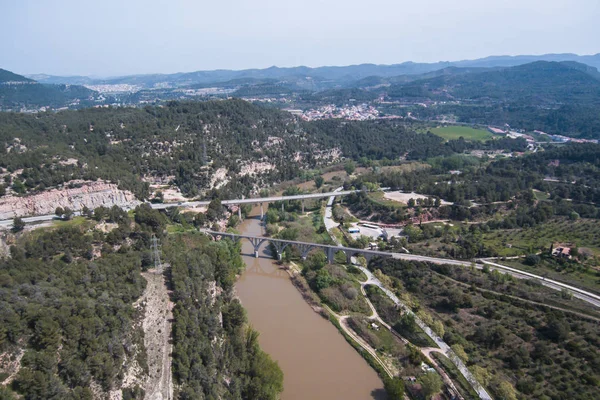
<point x="316" y="359"/>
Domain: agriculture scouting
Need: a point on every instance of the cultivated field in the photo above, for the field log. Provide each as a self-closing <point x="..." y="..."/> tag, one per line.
<point x="454" y="132"/>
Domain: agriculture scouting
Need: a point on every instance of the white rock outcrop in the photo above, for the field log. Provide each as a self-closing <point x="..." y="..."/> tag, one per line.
<point x="90" y="194"/>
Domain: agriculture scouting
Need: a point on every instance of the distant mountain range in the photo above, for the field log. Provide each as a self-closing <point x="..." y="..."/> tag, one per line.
<point x="538" y="83"/>
<point x="314" y="78"/>
<point x="17" y="91"/>
<point x="542" y="83"/>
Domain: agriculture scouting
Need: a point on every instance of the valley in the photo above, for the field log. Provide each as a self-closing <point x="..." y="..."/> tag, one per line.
<point x="419" y="235"/>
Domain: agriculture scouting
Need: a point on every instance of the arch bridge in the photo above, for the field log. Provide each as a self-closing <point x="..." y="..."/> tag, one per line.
<point x="303" y="247"/>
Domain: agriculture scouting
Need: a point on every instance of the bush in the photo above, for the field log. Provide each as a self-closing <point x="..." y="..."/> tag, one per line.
<point x="18" y="224"/>
<point x="532" y="259"/>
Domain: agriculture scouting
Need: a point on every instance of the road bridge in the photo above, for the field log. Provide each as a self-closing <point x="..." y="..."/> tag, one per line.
<point x="186" y="204"/>
<point x="330" y="250"/>
<point x="258" y="200"/>
<point x="303" y="247"/>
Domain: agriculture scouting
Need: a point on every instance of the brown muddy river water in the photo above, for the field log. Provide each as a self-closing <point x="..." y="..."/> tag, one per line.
<point x="316" y="360"/>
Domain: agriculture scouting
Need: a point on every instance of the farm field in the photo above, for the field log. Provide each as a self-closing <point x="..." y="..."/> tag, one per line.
<point x="454" y="132"/>
<point x="583" y="233"/>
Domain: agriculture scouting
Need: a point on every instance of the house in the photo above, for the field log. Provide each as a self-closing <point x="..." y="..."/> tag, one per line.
<point x="561" y="251"/>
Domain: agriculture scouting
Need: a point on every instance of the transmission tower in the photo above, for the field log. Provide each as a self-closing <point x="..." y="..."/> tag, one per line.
<point x="156" y="254"/>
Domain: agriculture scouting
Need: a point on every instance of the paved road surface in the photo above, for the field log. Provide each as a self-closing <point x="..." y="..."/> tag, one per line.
<point x="445" y="349"/>
<point x="159" y="206"/>
<point x="272" y="199"/>
<point x="480" y="264"/>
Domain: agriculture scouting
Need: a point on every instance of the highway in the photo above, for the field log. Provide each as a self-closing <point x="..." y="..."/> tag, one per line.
<point x="161" y="206"/>
<point x="329" y="223"/>
<point x="517" y="273"/>
<point x="581" y="294"/>
<point x="30" y="220"/>
<point x="257" y="200"/>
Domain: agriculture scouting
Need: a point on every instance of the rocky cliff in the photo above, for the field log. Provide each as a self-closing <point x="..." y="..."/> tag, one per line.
<point x="90" y="194"/>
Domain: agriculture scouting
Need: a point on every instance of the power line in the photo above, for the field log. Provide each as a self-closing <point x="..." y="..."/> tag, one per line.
<point x="156" y="254"/>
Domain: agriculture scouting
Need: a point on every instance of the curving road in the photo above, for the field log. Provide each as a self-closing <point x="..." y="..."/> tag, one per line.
<point x="445" y="349"/>
<point x="581" y="294"/>
<point x="338" y="192"/>
<point x="160" y="206"/>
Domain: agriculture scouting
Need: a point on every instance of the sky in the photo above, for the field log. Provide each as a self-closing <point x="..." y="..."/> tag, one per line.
<point x="119" y="37"/>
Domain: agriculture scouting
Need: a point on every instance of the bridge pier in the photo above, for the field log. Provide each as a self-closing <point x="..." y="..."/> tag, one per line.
<point x="348" y="257"/>
<point x="262" y="212"/>
<point x="279" y="247"/>
<point x="330" y="254"/>
<point x="368" y="257"/>
<point x="256" y="242"/>
<point x="282" y="206"/>
<point x="302" y="202"/>
<point x="304" y="250"/>
<point x="240" y="211"/>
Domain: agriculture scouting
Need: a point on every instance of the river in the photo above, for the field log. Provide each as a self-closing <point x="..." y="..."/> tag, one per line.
<point x="316" y="360"/>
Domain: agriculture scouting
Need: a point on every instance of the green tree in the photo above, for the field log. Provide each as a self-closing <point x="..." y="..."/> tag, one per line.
<point x="215" y="210"/>
<point x="87" y="212"/>
<point x="68" y="214"/>
<point x="506" y="391"/>
<point x="234" y="220"/>
<point x="19" y="187"/>
<point x="323" y="279"/>
<point x="394" y="388"/>
<point x="316" y="260"/>
<point x="18" y="224"/>
<point x="460" y="352"/>
<point x="438" y="327"/>
<point x="266" y="378"/>
<point x="6" y="393"/>
<point x="159" y="197"/>
<point x="482" y="375"/>
<point x="431" y="384"/>
<point x="350" y="167"/>
<point x="59" y="212"/>
<point x="199" y="219"/>
<point x="532" y="259"/>
<point x="319" y="180"/>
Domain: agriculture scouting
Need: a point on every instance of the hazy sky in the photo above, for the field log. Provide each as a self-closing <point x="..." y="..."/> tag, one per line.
<point x="116" y="37"/>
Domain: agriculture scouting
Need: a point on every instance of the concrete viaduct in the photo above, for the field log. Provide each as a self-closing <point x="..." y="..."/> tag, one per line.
<point x="303" y="247"/>
<point x="260" y="201"/>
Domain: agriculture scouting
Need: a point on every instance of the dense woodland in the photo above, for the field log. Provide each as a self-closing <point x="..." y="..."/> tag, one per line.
<point x="16" y="91"/>
<point x="70" y="308"/>
<point x="215" y="353"/>
<point x="538" y="83"/>
<point x="66" y="301"/>
<point x="187" y="142"/>
<point x="567" y="172"/>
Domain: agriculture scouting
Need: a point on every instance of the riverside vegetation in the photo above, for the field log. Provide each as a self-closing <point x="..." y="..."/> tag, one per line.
<point x="67" y="294"/>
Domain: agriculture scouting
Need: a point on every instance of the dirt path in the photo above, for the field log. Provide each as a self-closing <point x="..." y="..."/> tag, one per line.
<point x="425" y="350"/>
<point x="357" y="339"/>
<point x="157" y="337"/>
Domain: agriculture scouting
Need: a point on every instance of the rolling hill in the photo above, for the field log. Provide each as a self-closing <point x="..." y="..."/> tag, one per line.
<point x="17" y="91"/>
<point x="328" y="76"/>
<point x="537" y="83"/>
